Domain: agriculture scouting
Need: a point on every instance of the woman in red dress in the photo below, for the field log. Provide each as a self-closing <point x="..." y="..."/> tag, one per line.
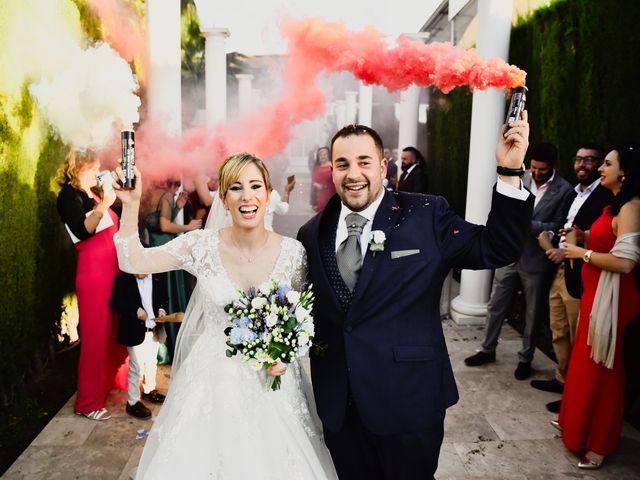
<point x="322" y="180"/>
<point x="593" y="399"/>
<point x="82" y="210"/>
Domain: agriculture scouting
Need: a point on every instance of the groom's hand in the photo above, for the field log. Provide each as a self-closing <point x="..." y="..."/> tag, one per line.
<point x="512" y="147"/>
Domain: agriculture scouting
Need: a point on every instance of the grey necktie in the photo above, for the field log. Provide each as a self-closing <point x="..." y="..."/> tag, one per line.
<point x="349" y="254"/>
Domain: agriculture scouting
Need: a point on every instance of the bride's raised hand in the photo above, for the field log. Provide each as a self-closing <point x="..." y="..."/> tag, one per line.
<point x="277" y="369"/>
<point x="127" y="196"/>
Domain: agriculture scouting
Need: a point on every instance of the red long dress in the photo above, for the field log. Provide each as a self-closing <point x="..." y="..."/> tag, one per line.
<point x="322" y="176"/>
<point x="593" y="398"/>
<point x="102" y="362"/>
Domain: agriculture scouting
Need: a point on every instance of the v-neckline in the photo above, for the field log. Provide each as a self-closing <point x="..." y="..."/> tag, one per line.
<point x="234" y="283"/>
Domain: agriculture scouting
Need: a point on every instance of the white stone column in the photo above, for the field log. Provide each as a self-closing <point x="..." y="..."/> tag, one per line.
<point x="215" y="56"/>
<point x="408" y="128"/>
<point x="256" y="97"/>
<point x="164" y="94"/>
<point x="341" y="113"/>
<point x="494" y="30"/>
<point x="365" y="106"/>
<point x="244" y="93"/>
<point x="352" y="106"/>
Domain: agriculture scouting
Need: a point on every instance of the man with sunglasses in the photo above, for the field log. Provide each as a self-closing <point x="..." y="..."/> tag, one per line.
<point x="566" y="289"/>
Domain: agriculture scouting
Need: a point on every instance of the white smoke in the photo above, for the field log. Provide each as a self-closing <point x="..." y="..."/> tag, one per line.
<point x="90" y="97"/>
<point x="86" y="93"/>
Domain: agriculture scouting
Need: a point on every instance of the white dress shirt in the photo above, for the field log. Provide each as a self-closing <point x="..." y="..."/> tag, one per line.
<point x="145" y="287"/>
<point x="541" y="190"/>
<point x="581" y="197"/>
<point x="369" y="213"/>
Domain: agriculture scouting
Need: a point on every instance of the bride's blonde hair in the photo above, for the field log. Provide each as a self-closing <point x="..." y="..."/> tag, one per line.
<point x="232" y="166"/>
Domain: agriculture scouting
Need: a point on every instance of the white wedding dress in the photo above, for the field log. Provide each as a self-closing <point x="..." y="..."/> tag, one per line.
<point x="220" y="420"/>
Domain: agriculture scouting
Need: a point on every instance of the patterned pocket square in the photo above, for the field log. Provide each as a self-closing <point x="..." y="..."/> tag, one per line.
<point x="403" y="253"/>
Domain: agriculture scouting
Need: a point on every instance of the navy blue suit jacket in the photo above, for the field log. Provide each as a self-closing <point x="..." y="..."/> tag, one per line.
<point x="387" y="347"/>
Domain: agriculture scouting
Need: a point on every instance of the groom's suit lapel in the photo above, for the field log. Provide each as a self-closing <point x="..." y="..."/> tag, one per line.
<point x="387" y="217"/>
<point x="325" y="232"/>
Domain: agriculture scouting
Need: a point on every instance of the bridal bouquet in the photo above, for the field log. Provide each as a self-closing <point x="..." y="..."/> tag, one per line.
<point x="270" y="323"/>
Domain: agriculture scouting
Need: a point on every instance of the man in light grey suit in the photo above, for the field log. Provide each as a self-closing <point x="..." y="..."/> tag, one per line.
<point x="553" y="196"/>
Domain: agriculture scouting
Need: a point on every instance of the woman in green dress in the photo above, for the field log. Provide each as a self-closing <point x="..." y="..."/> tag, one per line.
<point x="162" y="227"/>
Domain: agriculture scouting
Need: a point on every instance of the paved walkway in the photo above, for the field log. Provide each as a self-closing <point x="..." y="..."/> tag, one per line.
<point x="499" y="430"/>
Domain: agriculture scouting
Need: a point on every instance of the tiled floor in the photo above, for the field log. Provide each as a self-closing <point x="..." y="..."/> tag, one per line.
<point x="499" y="430"/>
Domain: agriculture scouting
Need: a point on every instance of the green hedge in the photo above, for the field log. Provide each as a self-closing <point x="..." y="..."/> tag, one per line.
<point x="448" y="134"/>
<point x="583" y="63"/>
<point x="36" y="270"/>
<point x="36" y="256"/>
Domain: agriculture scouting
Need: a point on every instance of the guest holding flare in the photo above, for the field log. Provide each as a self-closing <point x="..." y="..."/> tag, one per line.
<point x="91" y="223"/>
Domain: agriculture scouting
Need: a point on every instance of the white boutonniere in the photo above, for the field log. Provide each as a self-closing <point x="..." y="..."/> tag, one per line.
<point x="376" y="241"/>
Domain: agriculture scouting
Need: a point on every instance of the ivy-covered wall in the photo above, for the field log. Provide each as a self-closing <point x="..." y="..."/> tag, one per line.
<point x="37" y="261"/>
<point x="36" y="269"/>
<point x="582" y="59"/>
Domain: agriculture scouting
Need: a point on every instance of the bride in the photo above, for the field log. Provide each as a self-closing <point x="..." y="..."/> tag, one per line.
<point x="220" y="420"/>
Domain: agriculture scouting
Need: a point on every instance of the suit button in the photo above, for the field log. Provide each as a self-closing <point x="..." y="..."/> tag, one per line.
<point x="348" y="328"/>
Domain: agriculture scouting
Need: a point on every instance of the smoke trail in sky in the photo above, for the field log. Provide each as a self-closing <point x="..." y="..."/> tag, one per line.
<point x="87" y="93"/>
<point x="367" y="56"/>
<point x="315" y="46"/>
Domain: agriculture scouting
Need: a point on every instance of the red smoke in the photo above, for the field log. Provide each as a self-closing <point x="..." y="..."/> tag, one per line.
<point x="366" y="55"/>
<point x="316" y="45"/>
<point x="121" y="27"/>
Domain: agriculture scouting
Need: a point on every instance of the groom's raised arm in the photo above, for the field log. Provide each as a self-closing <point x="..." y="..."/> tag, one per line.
<point x="466" y="245"/>
<point x="499" y="243"/>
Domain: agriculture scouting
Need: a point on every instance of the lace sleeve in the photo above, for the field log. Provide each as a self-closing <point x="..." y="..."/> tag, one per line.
<point x="300" y="268"/>
<point x="179" y="253"/>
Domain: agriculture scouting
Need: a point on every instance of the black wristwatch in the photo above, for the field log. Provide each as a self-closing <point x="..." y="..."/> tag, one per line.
<point x="511" y="172"/>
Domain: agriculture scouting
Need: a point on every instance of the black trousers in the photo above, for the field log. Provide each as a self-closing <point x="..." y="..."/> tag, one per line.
<point x="359" y="454"/>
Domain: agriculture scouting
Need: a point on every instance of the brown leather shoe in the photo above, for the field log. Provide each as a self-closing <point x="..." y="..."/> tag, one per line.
<point x="154" y="396"/>
<point x="139" y="411"/>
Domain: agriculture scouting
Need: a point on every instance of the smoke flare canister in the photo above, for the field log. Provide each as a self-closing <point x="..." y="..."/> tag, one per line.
<point x="128" y="159"/>
<point x="518" y="99"/>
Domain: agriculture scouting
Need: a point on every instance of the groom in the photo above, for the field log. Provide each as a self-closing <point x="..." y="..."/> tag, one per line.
<point x="385" y="381"/>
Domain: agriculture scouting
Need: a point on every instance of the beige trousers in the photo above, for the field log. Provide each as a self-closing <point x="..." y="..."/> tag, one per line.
<point x="563" y="319"/>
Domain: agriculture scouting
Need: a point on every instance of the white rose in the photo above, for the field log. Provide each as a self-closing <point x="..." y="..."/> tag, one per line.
<point x="293" y="297"/>
<point x="265" y="288"/>
<point x="309" y="328"/>
<point x="301" y="314"/>
<point x="258" y="302"/>
<point x="303" y="338"/>
<point x="271" y="320"/>
<point x="379" y="236"/>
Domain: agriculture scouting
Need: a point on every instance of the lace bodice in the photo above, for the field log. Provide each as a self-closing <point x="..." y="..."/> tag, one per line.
<point x="197" y="253"/>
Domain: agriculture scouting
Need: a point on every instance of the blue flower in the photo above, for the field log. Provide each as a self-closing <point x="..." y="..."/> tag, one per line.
<point x="239" y="336"/>
<point x="242" y="322"/>
<point x="282" y="292"/>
